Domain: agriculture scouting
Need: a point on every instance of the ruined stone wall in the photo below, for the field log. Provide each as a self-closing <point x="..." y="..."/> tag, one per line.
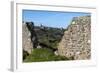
<point x="26" y="40"/>
<point x="76" y="41"/>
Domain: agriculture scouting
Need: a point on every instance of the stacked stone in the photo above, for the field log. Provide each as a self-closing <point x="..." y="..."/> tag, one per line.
<point x="26" y="40"/>
<point x="76" y="41"/>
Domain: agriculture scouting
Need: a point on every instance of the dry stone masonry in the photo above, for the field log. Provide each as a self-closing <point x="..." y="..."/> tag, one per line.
<point x="76" y="41"/>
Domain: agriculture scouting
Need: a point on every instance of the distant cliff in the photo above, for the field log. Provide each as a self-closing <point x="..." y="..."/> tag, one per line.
<point x="76" y="41"/>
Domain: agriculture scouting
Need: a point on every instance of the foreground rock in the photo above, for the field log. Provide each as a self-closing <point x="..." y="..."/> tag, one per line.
<point x="76" y="41"/>
<point x="26" y="40"/>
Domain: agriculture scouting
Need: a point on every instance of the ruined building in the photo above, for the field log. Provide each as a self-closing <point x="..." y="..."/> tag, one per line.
<point x="76" y="41"/>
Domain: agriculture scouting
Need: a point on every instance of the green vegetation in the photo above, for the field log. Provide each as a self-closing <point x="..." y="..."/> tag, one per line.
<point x="48" y="35"/>
<point x="48" y="39"/>
<point x="44" y="54"/>
<point x="25" y="54"/>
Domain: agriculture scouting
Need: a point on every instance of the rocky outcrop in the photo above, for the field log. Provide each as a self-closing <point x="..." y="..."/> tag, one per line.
<point x="33" y="36"/>
<point x="26" y="40"/>
<point x="76" y="41"/>
<point x="29" y="37"/>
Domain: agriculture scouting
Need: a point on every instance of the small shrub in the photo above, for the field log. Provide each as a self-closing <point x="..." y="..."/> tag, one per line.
<point x="25" y="54"/>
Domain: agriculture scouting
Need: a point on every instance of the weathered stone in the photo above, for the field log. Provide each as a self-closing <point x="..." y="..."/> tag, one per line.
<point x="76" y="41"/>
<point x="26" y="40"/>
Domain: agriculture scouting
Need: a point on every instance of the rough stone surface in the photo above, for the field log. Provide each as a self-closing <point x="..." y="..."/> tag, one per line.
<point x="26" y="40"/>
<point x="76" y="41"/>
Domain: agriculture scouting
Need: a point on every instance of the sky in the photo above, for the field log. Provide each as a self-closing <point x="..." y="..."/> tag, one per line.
<point x="50" y="18"/>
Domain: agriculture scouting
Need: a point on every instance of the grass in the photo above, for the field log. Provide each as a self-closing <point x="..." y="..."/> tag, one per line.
<point x="43" y="54"/>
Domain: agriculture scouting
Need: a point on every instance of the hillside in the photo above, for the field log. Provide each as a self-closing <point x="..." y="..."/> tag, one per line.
<point x="40" y="37"/>
<point x="48" y="35"/>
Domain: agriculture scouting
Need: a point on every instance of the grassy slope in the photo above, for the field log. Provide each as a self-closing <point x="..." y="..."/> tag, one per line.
<point x="44" y="54"/>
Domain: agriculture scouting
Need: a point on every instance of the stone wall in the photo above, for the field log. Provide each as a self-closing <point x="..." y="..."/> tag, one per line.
<point x="26" y="40"/>
<point x="76" y="41"/>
